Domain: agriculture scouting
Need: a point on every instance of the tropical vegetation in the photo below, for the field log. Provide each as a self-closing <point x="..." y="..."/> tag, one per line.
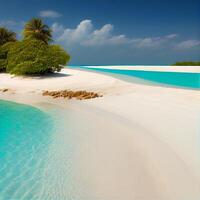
<point x="187" y="63"/>
<point x="6" y="36"/>
<point x="4" y="49"/>
<point x="33" y="54"/>
<point x="36" y="29"/>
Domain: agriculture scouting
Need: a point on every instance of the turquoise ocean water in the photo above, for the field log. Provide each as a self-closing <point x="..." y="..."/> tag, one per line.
<point x="25" y="134"/>
<point x="37" y="159"/>
<point x="173" y="79"/>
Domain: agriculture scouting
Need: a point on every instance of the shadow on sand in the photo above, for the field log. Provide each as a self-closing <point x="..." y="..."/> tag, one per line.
<point x="50" y="75"/>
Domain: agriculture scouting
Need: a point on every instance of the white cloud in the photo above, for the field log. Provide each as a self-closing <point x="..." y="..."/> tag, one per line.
<point x="85" y="34"/>
<point x="154" y="41"/>
<point x="57" y="29"/>
<point x="8" y="23"/>
<point x="78" y="35"/>
<point x="49" y="14"/>
<point x="188" y="44"/>
<point x="148" y="42"/>
<point x="98" y="37"/>
<point x="172" y="36"/>
<point x="104" y="36"/>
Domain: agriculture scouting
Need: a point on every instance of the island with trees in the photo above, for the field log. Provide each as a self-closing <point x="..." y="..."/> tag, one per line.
<point x="34" y="54"/>
<point x="187" y="63"/>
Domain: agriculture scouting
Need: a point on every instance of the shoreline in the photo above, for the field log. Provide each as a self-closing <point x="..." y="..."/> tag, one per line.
<point x="145" y="136"/>
<point x="186" y="69"/>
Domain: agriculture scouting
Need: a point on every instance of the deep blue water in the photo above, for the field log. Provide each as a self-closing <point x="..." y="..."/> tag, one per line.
<point x="25" y="133"/>
<point x="174" y="79"/>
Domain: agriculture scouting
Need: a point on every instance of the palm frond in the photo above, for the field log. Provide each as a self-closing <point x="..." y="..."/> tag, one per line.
<point x="36" y="29"/>
<point x="6" y="36"/>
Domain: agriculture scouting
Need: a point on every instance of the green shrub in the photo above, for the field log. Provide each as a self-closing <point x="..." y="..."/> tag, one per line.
<point x="187" y="63"/>
<point x="3" y="60"/>
<point x="57" y="57"/>
<point x="35" y="57"/>
<point x="3" y="55"/>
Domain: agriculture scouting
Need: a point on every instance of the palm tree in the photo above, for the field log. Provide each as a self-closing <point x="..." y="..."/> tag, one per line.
<point x="6" y="36"/>
<point x="37" y="30"/>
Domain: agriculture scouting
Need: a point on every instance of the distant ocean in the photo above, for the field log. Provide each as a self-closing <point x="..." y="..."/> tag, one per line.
<point x="173" y="79"/>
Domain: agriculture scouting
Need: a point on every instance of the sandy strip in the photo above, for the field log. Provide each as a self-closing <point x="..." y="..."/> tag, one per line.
<point x="188" y="69"/>
<point x="137" y="142"/>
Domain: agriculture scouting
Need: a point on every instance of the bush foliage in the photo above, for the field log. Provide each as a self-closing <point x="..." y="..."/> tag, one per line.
<point x="187" y="63"/>
<point x="4" y="49"/>
<point x="3" y="60"/>
<point x="33" y="57"/>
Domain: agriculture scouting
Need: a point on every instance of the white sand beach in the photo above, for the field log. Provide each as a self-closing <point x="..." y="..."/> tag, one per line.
<point x="137" y="142"/>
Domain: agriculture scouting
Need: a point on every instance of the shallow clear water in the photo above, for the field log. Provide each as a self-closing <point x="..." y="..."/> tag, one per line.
<point x="176" y="79"/>
<point x="25" y="134"/>
<point x="37" y="160"/>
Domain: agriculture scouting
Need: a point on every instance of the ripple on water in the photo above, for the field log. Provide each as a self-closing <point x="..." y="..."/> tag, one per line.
<point x="25" y="134"/>
<point x="35" y="155"/>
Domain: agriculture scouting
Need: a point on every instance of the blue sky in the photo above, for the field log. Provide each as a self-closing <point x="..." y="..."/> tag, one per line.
<point x="115" y="32"/>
